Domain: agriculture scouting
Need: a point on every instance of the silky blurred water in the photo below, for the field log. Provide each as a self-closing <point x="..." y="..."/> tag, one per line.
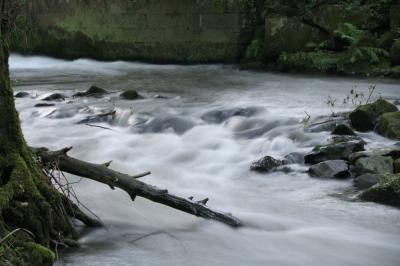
<point x="194" y="147"/>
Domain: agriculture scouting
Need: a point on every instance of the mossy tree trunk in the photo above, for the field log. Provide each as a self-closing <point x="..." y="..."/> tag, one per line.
<point x="28" y="201"/>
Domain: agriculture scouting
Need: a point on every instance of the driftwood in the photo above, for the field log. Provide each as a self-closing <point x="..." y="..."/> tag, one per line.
<point x="131" y="185"/>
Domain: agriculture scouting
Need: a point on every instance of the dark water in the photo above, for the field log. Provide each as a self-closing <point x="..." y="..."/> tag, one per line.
<point x="200" y="142"/>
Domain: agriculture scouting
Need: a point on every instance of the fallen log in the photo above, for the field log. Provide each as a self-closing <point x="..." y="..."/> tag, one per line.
<point x="131" y="185"/>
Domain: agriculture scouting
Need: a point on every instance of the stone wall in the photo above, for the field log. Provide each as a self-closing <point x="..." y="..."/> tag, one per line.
<point x="186" y="31"/>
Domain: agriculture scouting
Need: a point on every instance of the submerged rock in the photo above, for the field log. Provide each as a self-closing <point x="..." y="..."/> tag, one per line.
<point x="367" y="180"/>
<point x="343" y="129"/>
<point x="55" y="97"/>
<point x="130" y="95"/>
<point x="22" y="94"/>
<point x="44" y="104"/>
<point x="294" y="157"/>
<point x="330" y="169"/>
<point x="339" y="149"/>
<point x="266" y="164"/>
<point x="92" y="91"/>
<point x="389" y="125"/>
<point x="374" y="164"/>
<point x="364" y="117"/>
<point x="219" y="116"/>
<point x="387" y="191"/>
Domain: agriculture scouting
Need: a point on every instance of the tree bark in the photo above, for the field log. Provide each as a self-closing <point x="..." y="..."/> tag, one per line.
<point x="131" y="185"/>
<point x="28" y="201"/>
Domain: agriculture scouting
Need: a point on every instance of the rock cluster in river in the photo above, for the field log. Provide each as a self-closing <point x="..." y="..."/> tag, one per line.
<point x="375" y="172"/>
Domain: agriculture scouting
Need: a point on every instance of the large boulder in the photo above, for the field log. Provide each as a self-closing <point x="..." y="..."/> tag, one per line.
<point x="289" y="34"/>
<point x="374" y="164"/>
<point x="330" y="17"/>
<point x="92" y="91"/>
<point x="395" y="53"/>
<point x="330" y="169"/>
<point x="367" y="180"/>
<point x="343" y="129"/>
<point x="364" y="117"/>
<point x="339" y="149"/>
<point x="266" y="164"/>
<point x="394" y="153"/>
<point x="387" y="191"/>
<point x="389" y="125"/>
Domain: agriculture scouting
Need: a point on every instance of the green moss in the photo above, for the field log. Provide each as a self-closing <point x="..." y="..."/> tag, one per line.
<point x="396" y="166"/>
<point x="364" y="117"/>
<point x="318" y="61"/>
<point x="389" y="125"/>
<point x="38" y="255"/>
<point x="386" y="191"/>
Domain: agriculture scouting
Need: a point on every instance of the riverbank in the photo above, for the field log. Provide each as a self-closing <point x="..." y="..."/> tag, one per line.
<point x="333" y="37"/>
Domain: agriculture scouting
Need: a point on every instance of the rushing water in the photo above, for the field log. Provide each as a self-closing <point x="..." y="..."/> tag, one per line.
<point x="192" y="149"/>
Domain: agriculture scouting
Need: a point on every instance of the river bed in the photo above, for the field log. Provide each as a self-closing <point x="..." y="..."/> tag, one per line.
<point x="193" y="146"/>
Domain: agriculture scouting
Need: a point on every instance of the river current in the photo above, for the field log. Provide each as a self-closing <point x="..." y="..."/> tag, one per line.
<point x="197" y="130"/>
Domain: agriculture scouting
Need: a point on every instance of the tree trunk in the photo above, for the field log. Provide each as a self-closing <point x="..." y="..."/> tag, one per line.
<point x="33" y="215"/>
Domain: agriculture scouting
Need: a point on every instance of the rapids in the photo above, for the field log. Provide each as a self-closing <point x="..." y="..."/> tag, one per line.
<point x="199" y="142"/>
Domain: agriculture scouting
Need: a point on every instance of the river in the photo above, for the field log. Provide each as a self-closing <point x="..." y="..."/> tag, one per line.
<point x="194" y="147"/>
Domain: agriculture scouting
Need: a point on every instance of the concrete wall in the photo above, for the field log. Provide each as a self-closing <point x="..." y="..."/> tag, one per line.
<point x="151" y="30"/>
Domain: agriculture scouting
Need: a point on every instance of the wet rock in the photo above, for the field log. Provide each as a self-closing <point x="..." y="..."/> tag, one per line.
<point x="394" y="153"/>
<point x="294" y="157"/>
<point x="374" y="164"/>
<point x="55" y="97"/>
<point x="92" y="91"/>
<point x="364" y="117"/>
<point x="326" y="123"/>
<point x="343" y="129"/>
<point x="367" y="180"/>
<point x="219" y="116"/>
<point x="266" y="164"/>
<point x="396" y="166"/>
<point x="396" y="102"/>
<point x="389" y="125"/>
<point x="330" y="169"/>
<point x="339" y="149"/>
<point x="22" y="94"/>
<point x="158" y="96"/>
<point x="387" y="191"/>
<point x="130" y="95"/>
<point x="44" y="104"/>
<point x="164" y="123"/>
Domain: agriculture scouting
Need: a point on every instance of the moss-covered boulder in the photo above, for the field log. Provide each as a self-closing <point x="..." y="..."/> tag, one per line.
<point x="387" y="191"/>
<point x="54" y="97"/>
<point x="289" y="34"/>
<point x="395" y="53"/>
<point x="339" y="149"/>
<point x="343" y="130"/>
<point x="364" y="117"/>
<point x="331" y="16"/>
<point x="389" y="125"/>
<point x="375" y="164"/>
